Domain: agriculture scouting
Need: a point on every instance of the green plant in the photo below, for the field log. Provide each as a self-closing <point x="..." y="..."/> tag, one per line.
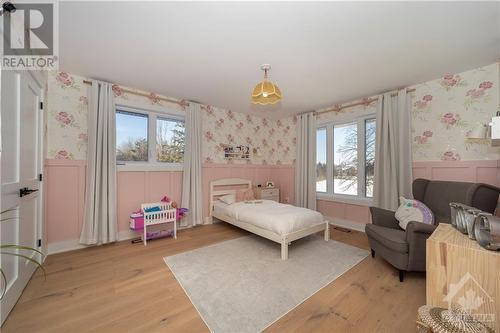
<point x="10" y="247"/>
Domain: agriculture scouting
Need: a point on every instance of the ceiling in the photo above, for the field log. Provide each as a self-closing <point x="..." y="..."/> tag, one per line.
<point x="321" y="53"/>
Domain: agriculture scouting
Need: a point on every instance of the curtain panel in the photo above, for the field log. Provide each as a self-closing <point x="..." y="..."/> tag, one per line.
<point x="305" y="164"/>
<point x="191" y="178"/>
<point x="393" y="156"/>
<point x="100" y="224"/>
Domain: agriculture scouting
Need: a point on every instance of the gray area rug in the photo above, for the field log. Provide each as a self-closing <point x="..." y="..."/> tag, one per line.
<point x="242" y="285"/>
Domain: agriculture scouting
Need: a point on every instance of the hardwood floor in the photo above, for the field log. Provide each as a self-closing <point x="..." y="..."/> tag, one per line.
<point x="127" y="287"/>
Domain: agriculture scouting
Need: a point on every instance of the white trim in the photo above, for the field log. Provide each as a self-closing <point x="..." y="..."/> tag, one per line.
<point x="338" y="222"/>
<point x="360" y="122"/>
<point x="74" y="244"/>
<point x="64" y="246"/>
<point x="160" y="110"/>
<point x="347" y="199"/>
<point x="343" y="118"/>
<point x="329" y="160"/>
<point x="361" y="142"/>
<point x="131" y="166"/>
<point x="152" y="117"/>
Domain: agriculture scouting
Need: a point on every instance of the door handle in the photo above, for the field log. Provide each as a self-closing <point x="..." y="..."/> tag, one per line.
<point x="26" y="191"/>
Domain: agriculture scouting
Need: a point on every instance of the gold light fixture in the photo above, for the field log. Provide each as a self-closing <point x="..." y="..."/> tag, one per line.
<point x="266" y="92"/>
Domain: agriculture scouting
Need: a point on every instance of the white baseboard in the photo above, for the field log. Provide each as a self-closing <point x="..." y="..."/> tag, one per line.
<point x="335" y="221"/>
<point x="74" y="244"/>
<point x="64" y="246"/>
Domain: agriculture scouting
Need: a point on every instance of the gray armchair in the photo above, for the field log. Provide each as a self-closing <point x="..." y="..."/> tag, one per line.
<point x="405" y="250"/>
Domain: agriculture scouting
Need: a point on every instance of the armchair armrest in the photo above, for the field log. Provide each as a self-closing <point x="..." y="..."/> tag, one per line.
<point x="416" y="237"/>
<point x="384" y="218"/>
<point x="423" y="228"/>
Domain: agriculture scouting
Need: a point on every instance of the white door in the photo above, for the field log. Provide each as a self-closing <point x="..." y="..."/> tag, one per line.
<point x="20" y="170"/>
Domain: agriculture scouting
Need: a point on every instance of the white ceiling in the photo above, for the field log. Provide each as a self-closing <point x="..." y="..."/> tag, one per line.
<point x="321" y="53"/>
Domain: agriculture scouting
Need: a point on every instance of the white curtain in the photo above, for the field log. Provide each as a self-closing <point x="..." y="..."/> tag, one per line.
<point x="305" y="165"/>
<point x="393" y="156"/>
<point x="99" y="219"/>
<point x="191" y="179"/>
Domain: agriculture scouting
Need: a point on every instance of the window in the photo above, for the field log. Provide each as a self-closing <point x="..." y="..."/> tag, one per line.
<point x="369" y="156"/>
<point x="321" y="160"/>
<point x="345" y="158"/>
<point x="131" y="136"/>
<point x="169" y="140"/>
<point x="148" y="138"/>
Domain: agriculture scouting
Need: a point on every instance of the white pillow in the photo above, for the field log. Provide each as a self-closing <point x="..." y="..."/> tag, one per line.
<point x="413" y="210"/>
<point x="228" y="199"/>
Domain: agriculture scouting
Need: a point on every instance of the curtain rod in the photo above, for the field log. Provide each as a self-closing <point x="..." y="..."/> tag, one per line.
<point x="364" y="101"/>
<point x="181" y="102"/>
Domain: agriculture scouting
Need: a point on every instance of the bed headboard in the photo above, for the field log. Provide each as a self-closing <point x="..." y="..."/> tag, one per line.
<point x="226" y="186"/>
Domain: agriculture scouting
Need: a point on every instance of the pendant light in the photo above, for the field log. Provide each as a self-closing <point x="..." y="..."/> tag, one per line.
<point x="266" y="92"/>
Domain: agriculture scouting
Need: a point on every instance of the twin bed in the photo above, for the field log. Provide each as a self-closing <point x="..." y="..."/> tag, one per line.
<point x="275" y="221"/>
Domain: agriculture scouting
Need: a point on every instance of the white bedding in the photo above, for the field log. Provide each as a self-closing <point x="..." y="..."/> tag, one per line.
<point x="220" y="207"/>
<point x="271" y="215"/>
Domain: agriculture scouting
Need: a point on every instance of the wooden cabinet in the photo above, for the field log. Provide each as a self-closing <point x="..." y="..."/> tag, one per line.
<point x="460" y="271"/>
<point x="267" y="193"/>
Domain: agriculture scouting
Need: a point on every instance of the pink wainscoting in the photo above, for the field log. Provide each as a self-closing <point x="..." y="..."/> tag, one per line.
<point x="467" y="171"/>
<point x="137" y="187"/>
<point x="65" y="189"/>
<point x="345" y="211"/>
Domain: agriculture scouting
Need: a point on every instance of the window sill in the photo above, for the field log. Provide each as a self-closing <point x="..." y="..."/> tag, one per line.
<point x="148" y="167"/>
<point x="345" y="199"/>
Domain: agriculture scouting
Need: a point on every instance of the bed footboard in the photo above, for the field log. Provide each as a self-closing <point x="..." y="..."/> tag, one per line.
<point x="285" y="241"/>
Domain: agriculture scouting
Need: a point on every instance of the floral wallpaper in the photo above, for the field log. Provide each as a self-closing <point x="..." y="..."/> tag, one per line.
<point x="67" y="117"/>
<point x="274" y="140"/>
<point x="443" y="112"/>
<point x="366" y="106"/>
<point x="446" y="109"/>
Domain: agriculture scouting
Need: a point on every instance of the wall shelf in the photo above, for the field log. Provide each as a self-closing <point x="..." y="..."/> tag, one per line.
<point x="236" y="152"/>
<point x="478" y="140"/>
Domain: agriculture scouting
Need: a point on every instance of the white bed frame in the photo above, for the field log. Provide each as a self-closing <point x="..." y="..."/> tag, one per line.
<point x="284" y="240"/>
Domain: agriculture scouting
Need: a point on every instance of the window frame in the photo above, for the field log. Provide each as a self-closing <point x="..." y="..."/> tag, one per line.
<point x="329" y="195"/>
<point x="323" y="127"/>
<point x="152" y="164"/>
<point x="364" y="153"/>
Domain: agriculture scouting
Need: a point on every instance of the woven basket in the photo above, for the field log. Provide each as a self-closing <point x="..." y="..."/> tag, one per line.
<point x="438" y="320"/>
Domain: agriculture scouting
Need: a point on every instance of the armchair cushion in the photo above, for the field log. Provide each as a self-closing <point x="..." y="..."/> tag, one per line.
<point x="413" y="210"/>
<point x="384" y="218"/>
<point x="441" y="219"/>
<point x="394" y="239"/>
